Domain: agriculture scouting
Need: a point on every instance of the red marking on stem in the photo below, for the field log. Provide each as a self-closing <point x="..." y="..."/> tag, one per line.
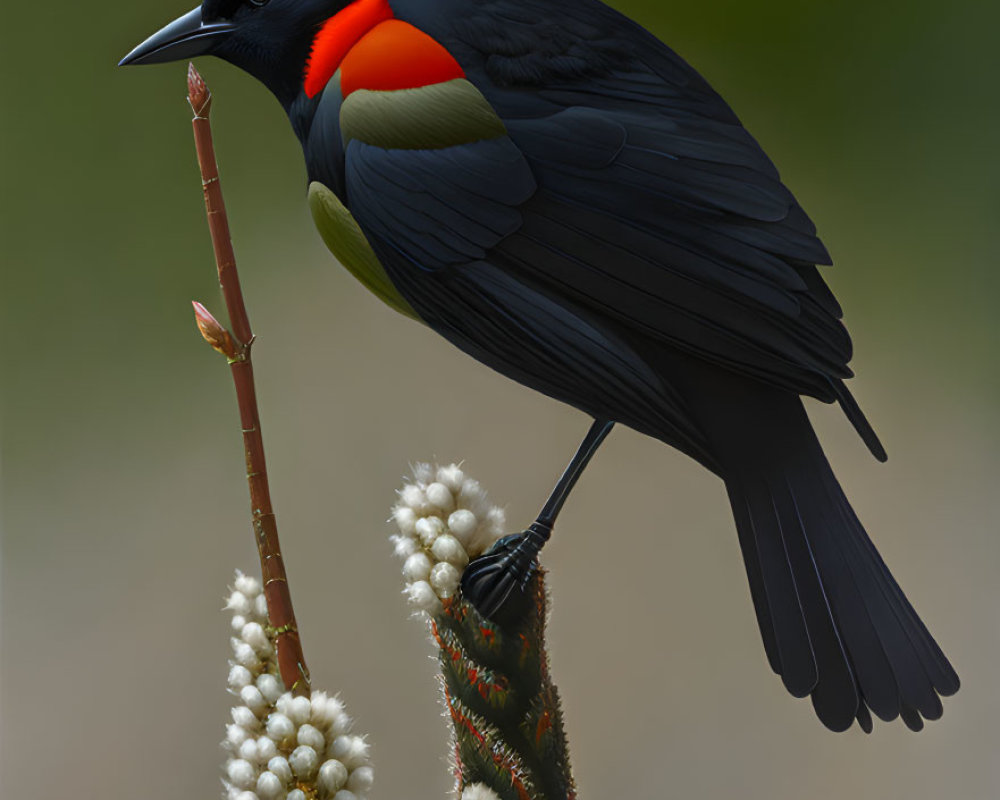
<point x="447" y="649"/>
<point x="337" y="36"/>
<point x="508" y="765"/>
<point x="544" y="724"/>
<point x="460" y="719"/>
<point x="455" y="609"/>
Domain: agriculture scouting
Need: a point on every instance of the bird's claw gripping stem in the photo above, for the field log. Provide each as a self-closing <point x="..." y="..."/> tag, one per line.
<point x="496" y="583"/>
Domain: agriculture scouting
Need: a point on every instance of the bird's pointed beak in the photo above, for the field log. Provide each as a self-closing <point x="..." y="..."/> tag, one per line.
<point x="186" y="37"/>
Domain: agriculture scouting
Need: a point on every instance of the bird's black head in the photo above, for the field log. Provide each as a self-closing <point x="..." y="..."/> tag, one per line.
<point x="270" y="39"/>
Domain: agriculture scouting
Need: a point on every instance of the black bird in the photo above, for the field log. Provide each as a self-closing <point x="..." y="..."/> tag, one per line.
<point x="560" y="195"/>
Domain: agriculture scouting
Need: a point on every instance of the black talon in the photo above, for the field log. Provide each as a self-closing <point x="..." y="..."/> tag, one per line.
<point x="496" y="583"/>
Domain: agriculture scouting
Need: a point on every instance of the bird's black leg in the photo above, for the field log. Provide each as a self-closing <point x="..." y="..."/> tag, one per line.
<point x="495" y="583"/>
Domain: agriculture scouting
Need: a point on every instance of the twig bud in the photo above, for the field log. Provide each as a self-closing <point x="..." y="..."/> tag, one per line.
<point x="199" y="96"/>
<point x="213" y="332"/>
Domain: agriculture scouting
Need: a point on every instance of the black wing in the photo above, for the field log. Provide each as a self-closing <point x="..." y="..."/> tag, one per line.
<point x="654" y="206"/>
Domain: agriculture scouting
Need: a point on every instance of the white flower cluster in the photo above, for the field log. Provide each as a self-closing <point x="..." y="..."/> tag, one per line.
<point x="444" y="520"/>
<point x="282" y="747"/>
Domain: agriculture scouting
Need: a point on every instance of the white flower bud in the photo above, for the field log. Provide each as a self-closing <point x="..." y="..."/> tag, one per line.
<point x="239" y="603"/>
<point x="246" y="585"/>
<point x="336" y="717"/>
<point x="260" y="606"/>
<point x="248" y="750"/>
<point x="448" y="548"/>
<point x="417" y="567"/>
<point x="423" y="472"/>
<point x="445" y="579"/>
<point x="239" y="676"/>
<point x="496" y="521"/>
<point x="299" y="710"/>
<point x="303" y="761"/>
<point x="440" y="496"/>
<point x="478" y="791"/>
<point x="236" y="794"/>
<point x="280" y="727"/>
<point x="405" y="519"/>
<point x="404" y="546"/>
<point x="279" y="766"/>
<point x="253" y="699"/>
<point x="238" y="621"/>
<point x="462" y="524"/>
<point x="297" y="794"/>
<point x="317" y="701"/>
<point x="332" y="776"/>
<point x="270" y="686"/>
<point x="235" y="736"/>
<point x="244" y="655"/>
<point x="253" y="634"/>
<point x="471" y="495"/>
<point x="244" y="717"/>
<point x="312" y="737"/>
<point x="492" y="526"/>
<point x="343" y="794"/>
<point x="452" y="477"/>
<point x="284" y="703"/>
<point x="351" y="751"/>
<point x="270" y="786"/>
<point x="413" y="497"/>
<point x="339" y="748"/>
<point x="421" y="595"/>
<point x="361" y="780"/>
<point x="266" y="749"/>
<point x="428" y="529"/>
<point x="241" y="773"/>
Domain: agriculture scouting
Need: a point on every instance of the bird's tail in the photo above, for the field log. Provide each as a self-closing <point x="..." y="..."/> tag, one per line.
<point x="836" y="626"/>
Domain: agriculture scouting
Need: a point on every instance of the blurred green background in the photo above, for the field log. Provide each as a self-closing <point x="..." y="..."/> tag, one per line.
<point x="124" y="508"/>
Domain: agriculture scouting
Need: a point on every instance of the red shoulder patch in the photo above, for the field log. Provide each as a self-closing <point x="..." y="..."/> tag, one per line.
<point x="337" y="36"/>
<point x="396" y="55"/>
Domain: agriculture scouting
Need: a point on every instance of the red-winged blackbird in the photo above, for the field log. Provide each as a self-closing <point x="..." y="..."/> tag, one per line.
<point x="556" y="192"/>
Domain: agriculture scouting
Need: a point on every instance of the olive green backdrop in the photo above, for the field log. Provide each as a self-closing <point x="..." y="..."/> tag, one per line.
<point x="124" y="508"/>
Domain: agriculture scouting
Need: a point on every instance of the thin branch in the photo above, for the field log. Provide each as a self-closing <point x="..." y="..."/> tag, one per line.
<point x="200" y="99"/>
<point x="236" y="348"/>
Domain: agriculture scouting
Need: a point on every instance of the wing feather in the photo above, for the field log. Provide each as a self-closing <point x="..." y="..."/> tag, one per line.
<point x="625" y="186"/>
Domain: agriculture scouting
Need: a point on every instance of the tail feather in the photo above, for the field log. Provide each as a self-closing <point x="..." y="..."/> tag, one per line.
<point x="940" y="671"/>
<point x="835" y="623"/>
<point x="853" y="586"/>
<point x="755" y="575"/>
<point x="865" y="718"/>
<point x="920" y="668"/>
<point x="777" y="597"/>
<point x="860" y="422"/>
<point x="835" y="696"/>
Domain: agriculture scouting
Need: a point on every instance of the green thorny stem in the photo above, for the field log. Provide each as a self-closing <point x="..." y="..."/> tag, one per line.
<point x="236" y="347"/>
<point x="503" y="705"/>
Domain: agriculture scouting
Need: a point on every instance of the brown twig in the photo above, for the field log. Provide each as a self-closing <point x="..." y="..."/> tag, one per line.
<point x="236" y="348"/>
